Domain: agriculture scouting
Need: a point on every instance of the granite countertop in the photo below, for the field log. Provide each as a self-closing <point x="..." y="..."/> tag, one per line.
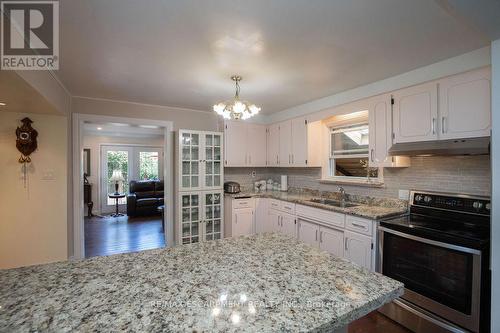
<point x="370" y="208"/>
<point x="270" y="282"/>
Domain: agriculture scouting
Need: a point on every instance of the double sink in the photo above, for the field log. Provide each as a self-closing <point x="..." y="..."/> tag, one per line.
<point x="335" y="203"/>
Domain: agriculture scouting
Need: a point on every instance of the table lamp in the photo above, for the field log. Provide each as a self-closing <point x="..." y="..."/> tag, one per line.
<point x="117" y="177"/>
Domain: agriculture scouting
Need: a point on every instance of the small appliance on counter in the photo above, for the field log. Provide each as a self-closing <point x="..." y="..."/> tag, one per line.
<point x="232" y="187"/>
<point x="260" y="186"/>
<point x="269" y="184"/>
<point x="284" y="183"/>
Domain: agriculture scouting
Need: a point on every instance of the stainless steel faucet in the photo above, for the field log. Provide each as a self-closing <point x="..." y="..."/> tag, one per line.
<point x="342" y="194"/>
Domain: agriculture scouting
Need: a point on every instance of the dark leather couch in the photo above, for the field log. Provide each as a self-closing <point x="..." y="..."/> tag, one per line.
<point x="144" y="197"/>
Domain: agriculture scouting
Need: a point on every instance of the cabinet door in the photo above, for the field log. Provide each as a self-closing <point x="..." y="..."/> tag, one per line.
<point x="190" y="217"/>
<point x="299" y="141"/>
<point x="190" y="161"/>
<point x="212" y="215"/>
<point x="256" y="143"/>
<point x="243" y="222"/>
<point x="285" y="150"/>
<point x="235" y="135"/>
<point x="465" y="105"/>
<point x="212" y="160"/>
<point x="289" y="224"/>
<point x="274" y="221"/>
<point x="379" y="122"/>
<point x="415" y="113"/>
<point x="273" y="145"/>
<point x="261" y="215"/>
<point x="358" y="249"/>
<point x="307" y="232"/>
<point x="331" y="241"/>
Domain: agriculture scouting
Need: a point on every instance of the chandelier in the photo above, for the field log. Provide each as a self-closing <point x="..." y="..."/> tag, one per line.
<point x="236" y="109"/>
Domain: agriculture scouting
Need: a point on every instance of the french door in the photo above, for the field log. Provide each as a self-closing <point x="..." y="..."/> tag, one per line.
<point x="134" y="162"/>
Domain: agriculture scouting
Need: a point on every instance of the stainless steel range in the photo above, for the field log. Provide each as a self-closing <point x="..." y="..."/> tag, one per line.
<point x="440" y="251"/>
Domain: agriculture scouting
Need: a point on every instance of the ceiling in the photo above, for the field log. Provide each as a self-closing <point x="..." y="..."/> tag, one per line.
<point x="181" y="53"/>
<point x="21" y="97"/>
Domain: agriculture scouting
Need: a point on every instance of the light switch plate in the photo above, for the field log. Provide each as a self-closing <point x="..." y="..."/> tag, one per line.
<point x="404" y="194"/>
<point x="48" y="175"/>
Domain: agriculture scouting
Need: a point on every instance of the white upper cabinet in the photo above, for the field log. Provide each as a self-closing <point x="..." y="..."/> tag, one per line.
<point x="273" y="145"/>
<point x="285" y="151"/>
<point x="245" y="144"/>
<point x="415" y="113"/>
<point x="256" y="145"/>
<point x="299" y="141"/>
<point x="465" y="105"/>
<point x="294" y="143"/>
<point x="380" y="131"/>
<point x="235" y="143"/>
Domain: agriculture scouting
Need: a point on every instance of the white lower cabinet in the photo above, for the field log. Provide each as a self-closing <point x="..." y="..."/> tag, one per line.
<point x="243" y="222"/>
<point x="282" y="222"/>
<point x="261" y="215"/>
<point x="358" y="249"/>
<point x="288" y="224"/>
<point x="331" y="241"/>
<point x="308" y="232"/>
<point x="240" y="217"/>
<point x="327" y="239"/>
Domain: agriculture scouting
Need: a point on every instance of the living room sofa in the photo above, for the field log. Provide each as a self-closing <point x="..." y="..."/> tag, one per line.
<point x="144" y="198"/>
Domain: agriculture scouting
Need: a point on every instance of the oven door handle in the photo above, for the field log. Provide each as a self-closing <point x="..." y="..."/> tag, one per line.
<point x="430" y="241"/>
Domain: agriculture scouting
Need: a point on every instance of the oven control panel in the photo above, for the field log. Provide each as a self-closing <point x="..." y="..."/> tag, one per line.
<point x="460" y="203"/>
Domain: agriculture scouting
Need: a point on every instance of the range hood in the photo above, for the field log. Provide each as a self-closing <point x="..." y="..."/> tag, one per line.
<point x="473" y="146"/>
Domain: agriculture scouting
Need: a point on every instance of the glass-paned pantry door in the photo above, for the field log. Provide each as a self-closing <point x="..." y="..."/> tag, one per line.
<point x="190" y="217"/>
<point x="213" y="215"/>
<point x="189" y="146"/>
<point x="213" y="160"/>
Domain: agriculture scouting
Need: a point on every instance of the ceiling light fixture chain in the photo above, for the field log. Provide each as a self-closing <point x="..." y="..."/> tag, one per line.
<point x="236" y="109"/>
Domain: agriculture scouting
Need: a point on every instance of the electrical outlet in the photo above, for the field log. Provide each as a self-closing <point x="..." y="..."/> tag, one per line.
<point x="404" y="194"/>
<point x="253" y="174"/>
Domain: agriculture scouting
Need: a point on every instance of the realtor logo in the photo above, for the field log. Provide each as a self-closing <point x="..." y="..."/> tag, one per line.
<point x="30" y="35"/>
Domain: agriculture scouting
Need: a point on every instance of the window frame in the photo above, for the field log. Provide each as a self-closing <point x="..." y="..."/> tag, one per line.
<point x="332" y="157"/>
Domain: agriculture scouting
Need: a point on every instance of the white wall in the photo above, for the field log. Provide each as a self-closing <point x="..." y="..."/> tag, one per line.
<point x="321" y="108"/>
<point x="33" y="220"/>
<point x="495" y="198"/>
<point x="182" y="118"/>
<point x="94" y="143"/>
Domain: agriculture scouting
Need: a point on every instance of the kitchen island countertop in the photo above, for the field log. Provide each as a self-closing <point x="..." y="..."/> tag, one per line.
<point x="260" y="283"/>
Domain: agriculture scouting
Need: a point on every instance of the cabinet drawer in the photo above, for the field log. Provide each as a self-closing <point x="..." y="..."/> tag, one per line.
<point x="284" y="206"/>
<point x="288" y="207"/>
<point x="274" y="204"/>
<point x="357" y="224"/>
<point x="321" y="215"/>
<point x="243" y="203"/>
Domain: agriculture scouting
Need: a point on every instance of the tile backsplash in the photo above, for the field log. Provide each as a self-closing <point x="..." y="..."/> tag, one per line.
<point x="455" y="174"/>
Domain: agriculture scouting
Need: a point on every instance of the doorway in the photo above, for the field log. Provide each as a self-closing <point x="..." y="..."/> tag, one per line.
<point x="135" y="159"/>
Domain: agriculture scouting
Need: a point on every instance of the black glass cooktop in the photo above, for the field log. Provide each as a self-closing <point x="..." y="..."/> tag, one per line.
<point x="462" y="230"/>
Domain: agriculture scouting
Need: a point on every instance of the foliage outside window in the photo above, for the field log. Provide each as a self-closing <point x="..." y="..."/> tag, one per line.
<point x="148" y="165"/>
<point x="117" y="160"/>
<point x="349" y="158"/>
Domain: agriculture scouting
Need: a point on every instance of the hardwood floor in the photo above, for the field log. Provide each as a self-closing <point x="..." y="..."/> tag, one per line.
<point x="110" y="235"/>
<point x="375" y="322"/>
